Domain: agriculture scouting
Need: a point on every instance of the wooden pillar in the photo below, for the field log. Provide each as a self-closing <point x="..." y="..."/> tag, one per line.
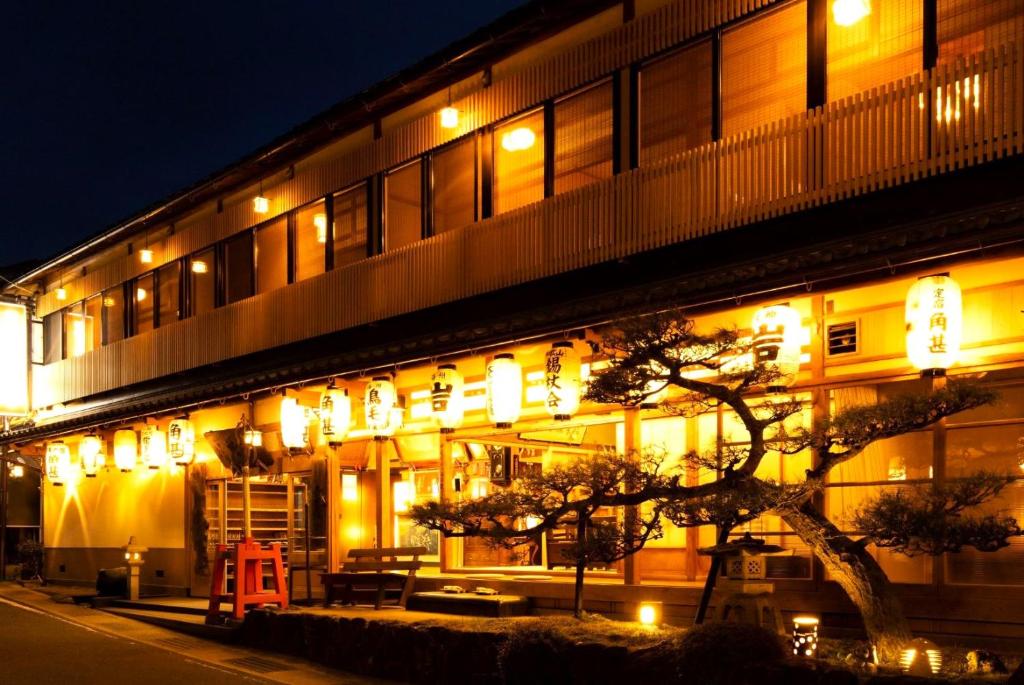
<point x="333" y="509"/>
<point x="938" y="477"/>
<point x="632" y="445"/>
<point x="819" y="403"/>
<point x="444" y="475"/>
<point x="691" y="561"/>
<point x="383" y="465"/>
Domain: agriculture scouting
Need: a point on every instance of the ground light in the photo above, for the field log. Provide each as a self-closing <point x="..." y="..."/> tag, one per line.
<point x="649" y="613"/>
<point x="921" y="657"/>
<point x="805" y="636"/>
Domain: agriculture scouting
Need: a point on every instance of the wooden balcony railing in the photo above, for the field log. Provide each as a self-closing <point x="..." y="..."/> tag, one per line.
<point x="951" y="117"/>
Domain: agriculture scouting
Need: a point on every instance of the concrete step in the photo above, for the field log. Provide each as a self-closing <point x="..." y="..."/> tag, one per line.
<point x="190" y="624"/>
<point x="173" y="605"/>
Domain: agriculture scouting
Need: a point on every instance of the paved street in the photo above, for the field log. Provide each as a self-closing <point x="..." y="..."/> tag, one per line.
<point x="36" y="648"/>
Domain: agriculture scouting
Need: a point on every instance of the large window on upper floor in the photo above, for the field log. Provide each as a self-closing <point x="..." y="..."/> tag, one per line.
<point x="764" y="69"/>
<point x="350" y="224"/>
<point x="884" y="46"/>
<point x="238" y="267"/>
<point x="969" y="26"/>
<point x="272" y="255"/>
<point x="453" y="170"/>
<point x="403" y="206"/>
<point x="144" y="298"/>
<point x="113" y="314"/>
<point x="675" y="103"/>
<point x="202" y="281"/>
<point x="311" y="228"/>
<point x="583" y="137"/>
<point x="169" y="293"/>
<point x="519" y="162"/>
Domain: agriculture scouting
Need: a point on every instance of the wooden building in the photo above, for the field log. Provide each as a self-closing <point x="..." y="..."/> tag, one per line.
<point x="571" y="163"/>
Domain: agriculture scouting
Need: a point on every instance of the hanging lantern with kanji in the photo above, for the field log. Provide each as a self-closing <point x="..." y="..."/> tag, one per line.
<point x="90" y="453"/>
<point x="504" y="390"/>
<point x="181" y="441"/>
<point x="776" y="343"/>
<point x="563" y="380"/>
<point x="379" y="404"/>
<point x="934" y="319"/>
<point x="294" y="425"/>
<point x="58" y="462"/>
<point x="335" y="414"/>
<point x="446" y="395"/>
<point x="154" y="447"/>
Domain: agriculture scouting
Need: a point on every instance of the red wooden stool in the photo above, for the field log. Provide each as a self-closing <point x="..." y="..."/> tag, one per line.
<point x="249" y="591"/>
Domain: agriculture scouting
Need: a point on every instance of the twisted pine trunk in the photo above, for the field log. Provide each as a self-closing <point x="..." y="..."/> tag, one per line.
<point x="859" y="575"/>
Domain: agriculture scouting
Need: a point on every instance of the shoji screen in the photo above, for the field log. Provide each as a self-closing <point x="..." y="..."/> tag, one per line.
<point x="675" y="103"/>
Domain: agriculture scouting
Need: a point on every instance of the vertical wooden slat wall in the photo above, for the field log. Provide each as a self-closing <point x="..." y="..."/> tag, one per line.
<point x="844" y="149"/>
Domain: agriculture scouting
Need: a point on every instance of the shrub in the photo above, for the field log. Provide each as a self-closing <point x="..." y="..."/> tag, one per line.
<point x="534" y="654"/>
<point x="719" y="653"/>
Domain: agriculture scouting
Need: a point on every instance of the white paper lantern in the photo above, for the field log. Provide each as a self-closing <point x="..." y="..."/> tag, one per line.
<point x="90" y="453"/>
<point x="504" y="390"/>
<point x="335" y="414"/>
<point x="446" y="397"/>
<point x="562" y="381"/>
<point x="776" y="343"/>
<point x="294" y="426"/>
<point x="58" y="462"/>
<point x="379" y="404"/>
<point x="934" y="324"/>
<point x="154" y="447"/>
<point x="126" y="449"/>
<point x="181" y="441"/>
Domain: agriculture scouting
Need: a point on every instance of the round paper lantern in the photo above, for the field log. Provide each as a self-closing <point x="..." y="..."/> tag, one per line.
<point x="181" y="441"/>
<point x="776" y="343"/>
<point x="446" y="396"/>
<point x="58" y="462"/>
<point x="126" y="449"/>
<point x="294" y="426"/>
<point x="934" y="324"/>
<point x="90" y="453"/>
<point x="562" y="381"/>
<point x="335" y="414"/>
<point x="154" y="447"/>
<point x="379" y="404"/>
<point x="504" y="390"/>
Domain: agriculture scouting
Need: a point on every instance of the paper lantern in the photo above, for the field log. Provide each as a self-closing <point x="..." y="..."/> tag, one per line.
<point x="562" y="381"/>
<point x="805" y="636"/>
<point x="253" y="438"/>
<point x="335" y="414"/>
<point x="58" y="463"/>
<point x="934" y="319"/>
<point x="294" y="426"/>
<point x="446" y="397"/>
<point x="449" y="117"/>
<point x="379" y="403"/>
<point x="126" y="450"/>
<point x="146" y="256"/>
<point x="849" y="12"/>
<point x="181" y="441"/>
<point x="349" y="487"/>
<point x="504" y="390"/>
<point x="921" y="657"/>
<point x="90" y="453"/>
<point x="260" y="204"/>
<point x="776" y="343"/>
<point x="153" y="447"/>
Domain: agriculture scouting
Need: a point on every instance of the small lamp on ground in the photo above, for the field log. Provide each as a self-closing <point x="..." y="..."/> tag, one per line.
<point x="921" y="657"/>
<point x="648" y="614"/>
<point x="133" y="557"/>
<point x="805" y="636"/>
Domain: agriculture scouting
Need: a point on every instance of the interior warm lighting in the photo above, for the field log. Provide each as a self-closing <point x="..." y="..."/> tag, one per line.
<point x="934" y="318"/>
<point x="518" y="139"/>
<point x="776" y="343"/>
<point x="14" y="352"/>
<point x="141" y="294"/>
<point x="320" y="222"/>
<point x="649" y="613"/>
<point x="181" y="441"/>
<point x="335" y="414"/>
<point x="849" y="12"/>
<point x="58" y="462"/>
<point x="504" y="390"/>
<point x="446" y="397"/>
<point x="562" y="381"/>
<point x="199" y="266"/>
<point x="90" y="452"/>
<point x="294" y="426"/>
<point x="16" y="471"/>
<point x="403" y="495"/>
<point x="154" y="447"/>
<point x="109" y="301"/>
<point x="61" y="293"/>
<point x="378" y="404"/>
<point x="349" y="487"/>
<point x="805" y="636"/>
<point x="77" y="342"/>
<point x="146" y="256"/>
<point x="449" y="117"/>
<point x="260" y="204"/>
<point x="126" y="450"/>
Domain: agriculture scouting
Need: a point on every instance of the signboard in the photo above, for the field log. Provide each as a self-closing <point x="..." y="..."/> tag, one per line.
<point x="13" y="359"/>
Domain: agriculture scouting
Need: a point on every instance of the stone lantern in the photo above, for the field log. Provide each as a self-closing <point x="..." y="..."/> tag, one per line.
<point x="133" y="557"/>
<point x="749" y="597"/>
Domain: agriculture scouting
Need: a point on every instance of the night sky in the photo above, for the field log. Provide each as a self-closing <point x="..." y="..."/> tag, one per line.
<point x="107" y="107"/>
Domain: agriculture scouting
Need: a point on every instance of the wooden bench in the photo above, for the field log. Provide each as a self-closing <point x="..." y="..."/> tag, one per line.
<point x="374" y="569"/>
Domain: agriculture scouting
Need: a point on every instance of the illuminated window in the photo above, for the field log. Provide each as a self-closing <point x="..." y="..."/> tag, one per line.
<point x="113" y="315"/>
<point x="583" y="138"/>
<point x="75" y="338"/>
<point x="350" y="225"/>
<point x="764" y="69"/>
<point x="311" y="228"/>
<point x="403" y="206"/>
<point x="969" y="26"/>
<point x="202" y="266"/>
<point x="519" y="162"/>
<point x="884" y="46"/>
<point x="53" y="337"/>
<point x="143" y="298"/>
<point x="169" y="285"/>
<point x="675" y="103"/>
<point x="454" y="185"/>
<point x="94" y="322"/>
<point x="238" y="267"/>
<point x="272" y="256"/>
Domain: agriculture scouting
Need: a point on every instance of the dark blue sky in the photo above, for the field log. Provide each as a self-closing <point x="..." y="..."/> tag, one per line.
<point x="106" y="107"/>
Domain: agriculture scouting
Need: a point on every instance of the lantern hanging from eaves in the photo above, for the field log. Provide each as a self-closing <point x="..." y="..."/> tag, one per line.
<point x="58" y="462"/>
<point x="504" y="390"/>
<point x="379" y="404"/>
<point x="776" y="334"/>
<point x="335" y="414"/>
<point x="934" y="319"/>
<point x="563" y="372"/>
<point x="446" y="397"/>
<point x="154" y="447"/>
<point x="181" y="441"/>
<point x="294" y="425"/>
<point x="126" y="449"/>
<point x="90" y="453"/>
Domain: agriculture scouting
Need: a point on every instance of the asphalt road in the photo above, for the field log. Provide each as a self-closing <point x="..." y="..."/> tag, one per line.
<point x="38" y="649"/>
